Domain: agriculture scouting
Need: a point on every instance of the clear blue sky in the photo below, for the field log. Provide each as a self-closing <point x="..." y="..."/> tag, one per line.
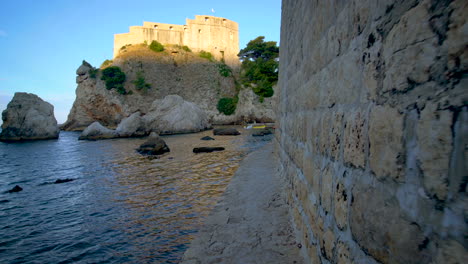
<point x="42" y="42"/>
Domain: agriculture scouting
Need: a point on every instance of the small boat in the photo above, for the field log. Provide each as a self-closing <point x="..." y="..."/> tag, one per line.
<point x="259" y="126"/>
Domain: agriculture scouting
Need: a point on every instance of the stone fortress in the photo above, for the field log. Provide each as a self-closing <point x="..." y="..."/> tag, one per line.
<point x="217" y="35"/>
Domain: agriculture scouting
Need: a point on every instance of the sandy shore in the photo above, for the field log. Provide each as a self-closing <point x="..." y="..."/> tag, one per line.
<point x="251" y="223"/>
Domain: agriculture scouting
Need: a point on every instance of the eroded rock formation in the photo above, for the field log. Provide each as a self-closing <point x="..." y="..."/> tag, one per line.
<point x="174" y="72"/>
<point x="28" y="117"/>
<point x="171" y="115"/>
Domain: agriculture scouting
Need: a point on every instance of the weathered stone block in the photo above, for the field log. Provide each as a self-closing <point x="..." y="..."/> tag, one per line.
<point x="327" y="244"/>
<point x="377" y="226"/>
<point x="451" y="252"/>
<point x="409" y="41"/>
<point x="386" y="154"/>
<point x="457" y="35"/>
<point x="435" y="144"/>
<point x="335" y="135"/>
<point x="342" y="254"/>
<point x="327" y="188"/>
<point x="324" y="133"/>
<point x="341" y="206"/>
<point x="355" y="140"/>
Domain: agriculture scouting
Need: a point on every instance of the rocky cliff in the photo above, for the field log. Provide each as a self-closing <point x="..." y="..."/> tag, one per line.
<point x="174" y="71"/>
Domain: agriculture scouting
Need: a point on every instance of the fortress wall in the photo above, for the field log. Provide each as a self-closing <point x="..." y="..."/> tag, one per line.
<point x="217" y="35"/>
<point x="372" y="129"/>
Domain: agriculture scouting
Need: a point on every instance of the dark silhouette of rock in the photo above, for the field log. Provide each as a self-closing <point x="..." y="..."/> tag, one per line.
<point x="225" y="132"/>
<point x="63" y="180"/>
<point x="17" y="188"/>
<point x="153" y="146"/>
<point x="261" y="132"/>
<point x="207" y="149"/>
<point x="207" y="138"/>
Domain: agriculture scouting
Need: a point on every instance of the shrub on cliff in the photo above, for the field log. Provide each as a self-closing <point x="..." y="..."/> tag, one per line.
<point x="224" y="70"/>
<point x="114" y="78"/>
<point x="227" y="105"/>
<point x="106" y="63"/>
<point x="156" y="46"/>
<point x="140" y="82"/>
<point x="206" y="55"/>
<point x="93" y="73"/>
<point x="259" y="67"/>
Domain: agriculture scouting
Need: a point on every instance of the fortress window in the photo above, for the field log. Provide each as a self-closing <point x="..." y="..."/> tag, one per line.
<point x="199" y="31"/>
<point x="224" y="21"/>
<point x="170" y="28"/>
<point x="206" y="19"/>
<point x="185" y="28"/>
<point x="155" y="26"/>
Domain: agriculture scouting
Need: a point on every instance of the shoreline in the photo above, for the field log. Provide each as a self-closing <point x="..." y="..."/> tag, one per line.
<point x="251" y="223"/>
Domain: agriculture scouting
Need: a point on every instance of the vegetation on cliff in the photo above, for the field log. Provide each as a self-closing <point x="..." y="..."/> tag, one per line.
<point x="227" y="105"/>
<point x="156" y="46"/>
<point x="259" y="69"/>
<point x="114" y="78"/>
<point x="206" y="55"/>
<point x="106" y="64"/>
<point x="140" y="82"/>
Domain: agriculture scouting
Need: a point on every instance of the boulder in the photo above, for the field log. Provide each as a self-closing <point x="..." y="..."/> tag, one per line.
<point x="225" y="132"/>
<point x="207" y="138"/>
<point x="207" y="149"/>
<point x="132" y="126"/>
<point x="173" y="115"/>
<point x="154" y="145"/>
<point x="97" y="131"/>
<point x="28" y="117"/>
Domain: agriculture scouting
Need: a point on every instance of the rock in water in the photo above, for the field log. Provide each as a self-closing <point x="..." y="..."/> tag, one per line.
<point x="153" y="146"/>
<point x="207" y="138"/>
<point x="225" y="132"/>
<point x="28" y="117"/>
<point x="97" y="131"/>
<point x="17" y="188"/>
<point x="261" y="132"/>
<point x="132" y="126"/>
<point x="63" y="180"/>
<point x="207" y="149"/>
<point x="173" y="115"/>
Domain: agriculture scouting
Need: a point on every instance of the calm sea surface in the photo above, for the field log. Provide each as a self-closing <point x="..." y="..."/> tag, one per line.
<point x="121" y="207"/>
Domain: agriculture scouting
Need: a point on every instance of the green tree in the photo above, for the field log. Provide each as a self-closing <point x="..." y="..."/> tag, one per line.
<point x="227" y="105"/>
<point x="114" y="78"/>
<point x="260" y="62"/>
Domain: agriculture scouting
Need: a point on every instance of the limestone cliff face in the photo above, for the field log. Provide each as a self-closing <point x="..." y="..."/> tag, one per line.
<point x="173" y="71"/>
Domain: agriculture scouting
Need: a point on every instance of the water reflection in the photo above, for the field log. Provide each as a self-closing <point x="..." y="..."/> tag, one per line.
<point x="121" y="208"/>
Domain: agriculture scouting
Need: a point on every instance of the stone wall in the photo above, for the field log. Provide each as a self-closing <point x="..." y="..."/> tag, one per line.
<point x="217" y="35"/>
<point x="372" y="129"/>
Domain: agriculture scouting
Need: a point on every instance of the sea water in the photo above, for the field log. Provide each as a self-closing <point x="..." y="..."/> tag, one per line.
<point x="121" y="207"/>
